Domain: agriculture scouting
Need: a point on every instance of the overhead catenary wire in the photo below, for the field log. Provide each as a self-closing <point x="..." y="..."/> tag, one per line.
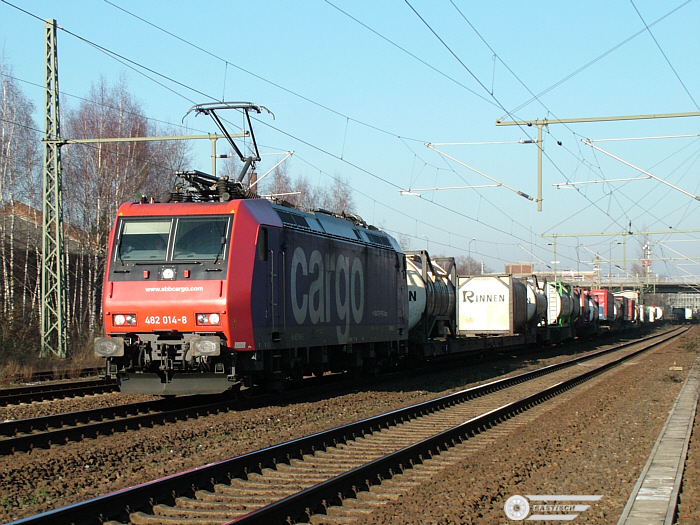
<point x="659" y="179"/>
<point x="215" y="55"/>
<point x="648" y="29"/>
<point x="535" y="97"/>
<point x="401" y="138"/>
<point x="500" y="105"/>
<point x="347" y="117"/>
<point x="101" y="104"/>
<point x="598" y="58"/>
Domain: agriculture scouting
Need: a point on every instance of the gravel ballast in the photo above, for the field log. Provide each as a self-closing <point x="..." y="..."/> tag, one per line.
<point x="595" y="442"/>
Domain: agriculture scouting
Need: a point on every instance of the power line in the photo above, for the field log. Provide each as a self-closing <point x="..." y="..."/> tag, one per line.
<point x="664" y="55"/>
<point x="412" y="55"/>
<point x="598" y="58"/>
<point x="132" y="64"/>
<point x="100" y="104"/>
<point x="519" y="124"/>
<point x="263" y="79"/>
<point x="403" y="139"/>
<point x="305" y="98"/>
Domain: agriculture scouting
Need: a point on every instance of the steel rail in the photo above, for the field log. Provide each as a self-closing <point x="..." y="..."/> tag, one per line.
<point x="25" y="434"/>
<point x="27" y="394"/>
<point x="119" y="504"/>
<point x="302" y="505"/>
<point x="49" y="375"/>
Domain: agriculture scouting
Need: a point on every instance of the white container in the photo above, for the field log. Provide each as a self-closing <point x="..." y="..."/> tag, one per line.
<point x="491" y="304"/>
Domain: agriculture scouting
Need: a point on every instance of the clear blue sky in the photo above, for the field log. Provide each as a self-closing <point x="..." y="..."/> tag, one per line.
<point x="358" y="88"/>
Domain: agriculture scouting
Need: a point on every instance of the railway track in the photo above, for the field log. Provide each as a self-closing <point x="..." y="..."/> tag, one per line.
<point x="26" y="434"/>
<point x="40" y="432"/>
<point x="49" y="391"/>
<point x="344" y="472"/>
<point x="54" y="375"/>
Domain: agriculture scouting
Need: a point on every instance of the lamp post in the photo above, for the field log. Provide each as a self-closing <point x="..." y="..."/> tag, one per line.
<point x="554" y="257"/>
<point x="610" y="263"/>
<point x="469" y="255"/>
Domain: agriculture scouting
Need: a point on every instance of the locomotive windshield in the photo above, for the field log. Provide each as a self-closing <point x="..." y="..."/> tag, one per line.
<point x="202" y="239"/>
<point x="177" y="238"/>
<point x="143" y="240"/>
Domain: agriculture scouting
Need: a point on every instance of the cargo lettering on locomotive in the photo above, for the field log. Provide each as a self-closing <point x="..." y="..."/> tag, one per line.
<point x="332" y="277"/>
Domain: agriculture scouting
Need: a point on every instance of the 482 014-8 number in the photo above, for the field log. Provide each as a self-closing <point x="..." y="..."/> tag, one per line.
<point x="165" y="319"/>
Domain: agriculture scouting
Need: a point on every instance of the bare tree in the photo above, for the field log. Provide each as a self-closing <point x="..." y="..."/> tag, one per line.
<point x="279" y="184"/>
<point x="309" y="196"/>
<point x="468" y="266"/>
<point x="99" y="177"/>
<point x="404" y="240"/>
<point x="636" y="270"/>
<point x="19" y="162"/>
<point x="19" y="232"/>
<point x="337" y="197"/>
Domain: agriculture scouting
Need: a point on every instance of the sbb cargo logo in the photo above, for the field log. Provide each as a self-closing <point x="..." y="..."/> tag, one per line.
<point x="550" y="508"/>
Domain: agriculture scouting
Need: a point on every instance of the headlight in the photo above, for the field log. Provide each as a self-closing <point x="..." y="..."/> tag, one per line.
<point x="208" y="319"/>
<point x="205" y="346"/>
<point x="109" y="346"/>
<point x="124" y="319"/>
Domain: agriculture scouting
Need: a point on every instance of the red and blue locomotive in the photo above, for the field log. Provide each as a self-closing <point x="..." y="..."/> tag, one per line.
<point x="201" y="295"/>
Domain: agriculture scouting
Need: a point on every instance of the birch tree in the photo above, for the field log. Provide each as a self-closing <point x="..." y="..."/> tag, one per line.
<point x="19" y="163"/>
<point x="99" y="177"/>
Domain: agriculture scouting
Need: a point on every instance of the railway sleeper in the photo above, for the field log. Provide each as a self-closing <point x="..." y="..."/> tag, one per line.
<point x="277" y="484"/>
<point x="276" y="476"/>
<point x="342" y="512"/>
<point x="240" y="491"/>
<point x="377" y="499"/>
<point x="196" y="503"/>
<point x="233" y="500"/>
<point x="221" y="513"/>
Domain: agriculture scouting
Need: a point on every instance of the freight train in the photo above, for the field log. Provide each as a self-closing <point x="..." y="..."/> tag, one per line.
<point x="684" y="315"/>
<point x="203" y="295"/>
<point x="218" y="288"/>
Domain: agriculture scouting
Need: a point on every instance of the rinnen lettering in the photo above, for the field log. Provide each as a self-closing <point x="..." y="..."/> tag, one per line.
<point x="473" y="297"/>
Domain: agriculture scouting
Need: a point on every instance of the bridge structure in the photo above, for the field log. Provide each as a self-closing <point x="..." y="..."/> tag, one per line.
<point x="678" y="291"/>
<point x="684" y="288"/>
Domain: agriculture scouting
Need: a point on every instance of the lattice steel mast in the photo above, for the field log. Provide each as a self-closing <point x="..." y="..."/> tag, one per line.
<point x="54" y="332"/>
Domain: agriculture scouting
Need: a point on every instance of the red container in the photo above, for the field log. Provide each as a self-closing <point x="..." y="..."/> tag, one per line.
<point x="606" y="305"/>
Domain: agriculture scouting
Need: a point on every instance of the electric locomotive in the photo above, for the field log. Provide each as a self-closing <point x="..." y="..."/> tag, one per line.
<point x="217" y="287"/>
<point x="201" y="295"/>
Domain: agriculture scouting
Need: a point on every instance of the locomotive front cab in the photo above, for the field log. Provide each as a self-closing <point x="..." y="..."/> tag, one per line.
<point x="165" y="309"/>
